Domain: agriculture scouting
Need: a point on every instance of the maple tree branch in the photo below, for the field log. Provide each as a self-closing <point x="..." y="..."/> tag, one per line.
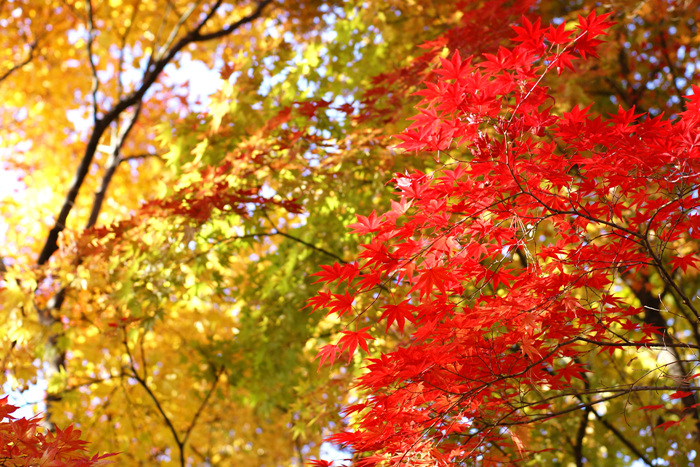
<point x="91" y="382"/>
<point x="652" y="315"/>
<point x="585" y="214"/>
<point x="411" y="259"/>
<point x="610" y="426"/>
<point x="161" y="27"/>
<point x="580" y="435"/>
<point x="695" y="329"/>
<point x="672" y="68"/>
<point x="56" y="302"/>
<point x="134" y="374"/>
<point x="204" y="458"/>
<point x="233" y="26"/>
<point x="120" y="62"/>
<point x="303" y="242"/>
<point x="176" y="29"/>
<point x="688" y="401"/>
<point x="668" y="279"/>
<point x="160" y="409"/>
<point x="145" y="155"/>
<point x="618" y="392"/>
<point x="207" y="17"/>
<point x="503" y="422"/>
<point x="638" y="344"/>
<point x="583" y="405"/>
<point x="299" y="451"/>
<point x="623" y="439"/>
<point x="112" y="164"/>
<point x="8" y="355"/>
<point x="310" y="245"/>
<point x="91" y="59"/>
<point x="265" y="234"/>
<point x="101" y="124"/>
<point x="217" y="376"/>
<point x="180" y="441"/>
<point x="173" y="7"/>
<point x="23" y="63"/>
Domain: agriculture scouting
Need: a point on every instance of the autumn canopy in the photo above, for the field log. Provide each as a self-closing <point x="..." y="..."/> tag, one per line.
<point x="369" y="233"/>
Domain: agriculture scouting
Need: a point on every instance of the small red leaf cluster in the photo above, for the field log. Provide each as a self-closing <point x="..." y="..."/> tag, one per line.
<point x="23" y="443"/>
<point x="504" y="257"/>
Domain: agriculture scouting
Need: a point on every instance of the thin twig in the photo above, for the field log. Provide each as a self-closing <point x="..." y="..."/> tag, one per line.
<point x="91" y="59"/>
<point x="29" y="58"/>
<point x="217" y="376"/>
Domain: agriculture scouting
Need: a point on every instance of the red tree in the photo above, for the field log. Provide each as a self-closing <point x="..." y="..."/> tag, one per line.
<point x="538" y="243"/>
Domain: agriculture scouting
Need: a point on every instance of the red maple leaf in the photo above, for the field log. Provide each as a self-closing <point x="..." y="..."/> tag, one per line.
<point x="327" y="353"/>
<point x="365" y="225"/>
<point x="352" y="339"/>
<point x="399" y="313"/>
<point x="454" y="68"/>
<point x="684" y="262"/>
<point x="341" y="304"/>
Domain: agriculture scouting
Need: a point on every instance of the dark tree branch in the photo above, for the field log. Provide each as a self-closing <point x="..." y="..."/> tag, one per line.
<point x="120" y="64"/>
<point x="145" y="155"/>
<point x="205" y="401"/>
<point x="101" y="125"/>
<point x="580" y="435"/>
<point x="142" y="381"/>
<point x="268" y="234"/>
<point x="672" y="68"/>
<point x="298" y="240"/>
<point x="91" y="60"/>
<point x="652" y="315"/>
<point x="176" y="29"/>
<point x="617" y="433"/>
<point x="310" y="245"/>
<point x="637" y="452"/>
<point x="638" y="344"/>
<point x="181" y="441"/>
<point x="233" y="26"/>
<point x="23" y="63"/>
<point x="112" y="164"/>
<point x="650" y="303"/>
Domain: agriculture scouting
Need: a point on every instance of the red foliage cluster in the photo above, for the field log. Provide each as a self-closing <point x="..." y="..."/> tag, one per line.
<point x="505" y="257"/>
<point x="23" y="443"/>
